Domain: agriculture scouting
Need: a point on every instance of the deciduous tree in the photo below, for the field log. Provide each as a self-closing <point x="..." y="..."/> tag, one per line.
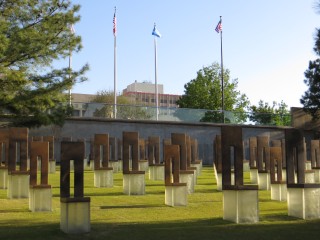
<point x="204" y="92"/>
<point x="125" y="110"/>
<point x="265" y="114"/>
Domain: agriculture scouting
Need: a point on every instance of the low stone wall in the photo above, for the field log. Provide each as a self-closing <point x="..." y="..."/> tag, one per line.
<point x="85" y="128"/>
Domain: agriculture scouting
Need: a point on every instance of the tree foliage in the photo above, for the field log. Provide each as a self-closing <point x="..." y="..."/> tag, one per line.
<point x="124" y="109"/>
<point x="34" y="34"/>
<point x="204" y="92"/>
<point x="265" y="114"/>
<point x="311" y="98"/>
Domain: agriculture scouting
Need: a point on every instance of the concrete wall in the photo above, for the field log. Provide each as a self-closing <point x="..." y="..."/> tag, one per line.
<point x="81" y="128"/>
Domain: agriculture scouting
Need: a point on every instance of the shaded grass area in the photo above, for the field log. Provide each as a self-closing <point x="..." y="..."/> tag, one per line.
<point x="118" y="216"/>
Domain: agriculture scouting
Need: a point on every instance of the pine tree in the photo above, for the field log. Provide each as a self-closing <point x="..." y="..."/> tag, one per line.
<point x="34" y="34"/>
<point x="311" y="98"/>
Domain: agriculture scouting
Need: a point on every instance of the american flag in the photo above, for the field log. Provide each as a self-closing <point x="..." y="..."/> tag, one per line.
<point x="114" y="25"/>
<point x="219" y="27"/>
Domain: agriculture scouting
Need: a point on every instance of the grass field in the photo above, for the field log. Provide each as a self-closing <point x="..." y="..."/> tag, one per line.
<point x="118" y="216"/>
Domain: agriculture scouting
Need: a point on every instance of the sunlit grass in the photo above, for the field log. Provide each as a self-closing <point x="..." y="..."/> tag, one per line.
<point x="118" y="216"/>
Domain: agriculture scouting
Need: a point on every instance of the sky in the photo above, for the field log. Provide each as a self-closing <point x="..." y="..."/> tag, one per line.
<point x="267" y="44"/>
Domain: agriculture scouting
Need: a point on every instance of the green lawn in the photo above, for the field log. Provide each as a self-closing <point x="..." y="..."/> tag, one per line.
<point x="118" y="216"/>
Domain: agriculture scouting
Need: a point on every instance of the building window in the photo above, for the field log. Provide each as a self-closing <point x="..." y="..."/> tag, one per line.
<point x="76" y="113"/>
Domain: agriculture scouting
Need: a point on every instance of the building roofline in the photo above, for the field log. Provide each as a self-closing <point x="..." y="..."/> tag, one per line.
<point x="162" y="94"/>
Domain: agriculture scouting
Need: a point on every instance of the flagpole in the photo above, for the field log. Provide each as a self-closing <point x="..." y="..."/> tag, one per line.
<point x="70" y="66"/>
<point x="156" y="33"/>
<point x="222" y="81"/>
<point x="156" y="77"/>
<point x="115" y="64"/>
<point x="115" y="77"/>
<point x="70" y="63"/>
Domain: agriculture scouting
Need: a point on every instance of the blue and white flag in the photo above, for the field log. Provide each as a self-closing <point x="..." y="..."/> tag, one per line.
<point x="155" y="32"/>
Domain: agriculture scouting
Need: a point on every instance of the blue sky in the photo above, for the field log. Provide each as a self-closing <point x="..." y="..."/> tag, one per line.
<point x="266" y="44"/>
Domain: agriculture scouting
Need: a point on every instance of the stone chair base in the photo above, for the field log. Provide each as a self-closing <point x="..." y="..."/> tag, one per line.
<point x="246" y="166"/>
<point x="303" y="201"/>
<point x="198" y="166"/>
<point x="241" y="206"/>
<point x="3" y="178"/>
<point x="52" y="167"/>
<point x="309" y="176"/>
<point x="75" y="215"/>
<point x="134" y="183"/>
<point x="156" y="172"/>
<point x="284" y="175"/>
<point x="40" y="198"/>
<point x="254" y="175"/>
<point x="188" y="178"/>
<point x="308" y="165"/>
<point x="264" y="181"/>
<point x="91" y="164"/>
<point x="86" y="164"/>
<point x="103" y="178"/>
<point x="18" y="185"/>
<point x="316" y="175"/>
<point x="176" y="195"/>
<point x="115" y="166"/>
<point x="279" y="191"/>
<point x="120" y="165"/>
<point x="219" y="180"/>
<point x="143" y="165"/>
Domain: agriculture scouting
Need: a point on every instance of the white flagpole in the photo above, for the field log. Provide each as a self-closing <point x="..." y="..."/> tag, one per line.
<point x="156" y="77"/>
<point x="155" y="33"/>
<point x="219" y="30"/>
<point x="115" y="63"/>
<point x="222" y="81"/>
<point x="70" y="66"/>
<point x="70" y="63"/>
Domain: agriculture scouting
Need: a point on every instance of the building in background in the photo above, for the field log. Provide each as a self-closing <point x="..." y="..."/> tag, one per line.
<point x="80" y="103"/>
<point x="140" y="94"/>
<point x="144" y="94"/>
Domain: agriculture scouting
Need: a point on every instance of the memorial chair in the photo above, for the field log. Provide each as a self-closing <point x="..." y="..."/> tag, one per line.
<point x="133" y="178"/>
<point x="74" y="209"/>
<point x="175" y="191"/>
<point x="103" y="173"/>
<point x="240" y="201"/>
<point x="186" y="173"/>
<point x="156" y="169"/>
<point x="302" y="198"/>
<point x="18" y="173"/>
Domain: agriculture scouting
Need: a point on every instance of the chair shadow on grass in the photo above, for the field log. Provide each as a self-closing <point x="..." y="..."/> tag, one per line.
<point x="212" y="190"/>
<point x="13" y="211"/>
<point x="215" y="228"/>
<point x="97" y="194"/>
<point x="159" y="229"/>
<point x="277" y="217"/>
<point x="134" y="206"/>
